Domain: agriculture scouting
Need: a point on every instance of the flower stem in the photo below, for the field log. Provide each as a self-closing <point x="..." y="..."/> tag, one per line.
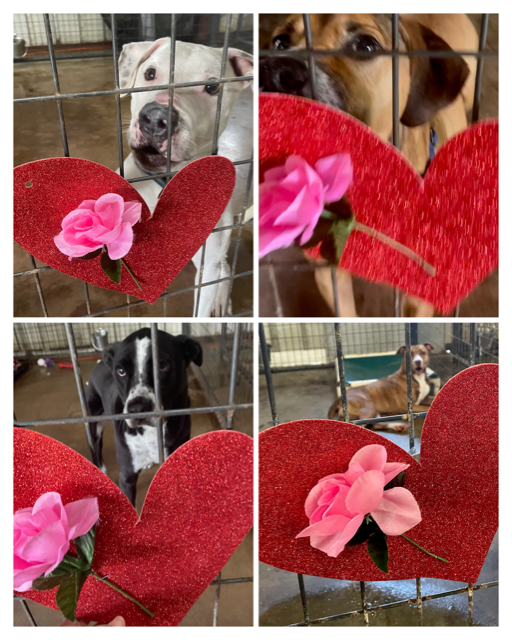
<point x="113" y="586"/>
<point x="427" y="552"/>
<point x="133" y="277"/>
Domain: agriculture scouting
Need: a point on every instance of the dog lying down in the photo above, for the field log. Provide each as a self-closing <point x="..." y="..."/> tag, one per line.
<point x="388" y="396"/>
<point x="123" y="383"/>
<point x="434" y="93"/>
<point x="193" y="114"/>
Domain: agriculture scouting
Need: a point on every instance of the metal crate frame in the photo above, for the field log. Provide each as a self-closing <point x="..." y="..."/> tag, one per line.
<point x="239" y="224"/>
<point x="409" y="417"/>
<point x="308" y="55"/>
<point x="227" y="410"/>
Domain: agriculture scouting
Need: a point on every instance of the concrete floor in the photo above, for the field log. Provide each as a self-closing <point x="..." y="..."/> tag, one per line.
<point x="309" y="394"/>
<point x="92" y="135"/>
<point x="295" y="279"/>
<point x="51" y="393"/>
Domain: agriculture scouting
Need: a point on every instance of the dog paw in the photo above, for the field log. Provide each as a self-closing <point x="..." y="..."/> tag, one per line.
<point x="398" y="427"/>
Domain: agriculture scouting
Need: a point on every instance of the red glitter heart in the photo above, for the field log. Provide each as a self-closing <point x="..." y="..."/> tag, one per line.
<point x="186" y="213"/>
<point x="449" y="218"/>
<point x="197" y="511"/>
<point x="456" y="487"/>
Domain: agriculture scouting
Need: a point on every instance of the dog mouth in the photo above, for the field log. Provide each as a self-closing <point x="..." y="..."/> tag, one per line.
<point x="136" y="423"/>
<point x="418" y="370"/>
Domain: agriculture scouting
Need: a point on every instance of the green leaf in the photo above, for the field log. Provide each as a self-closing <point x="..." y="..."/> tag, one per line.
<point x="68" y="593"/>
<point x="92" y="255"/>
<point x="44" y="584"/>
<point x="68" y="565"/>
<point x="85" y="545"/>
<point x="111" y="267"/>
<point x="378" y="550"/>
<point x="341" y="230"/>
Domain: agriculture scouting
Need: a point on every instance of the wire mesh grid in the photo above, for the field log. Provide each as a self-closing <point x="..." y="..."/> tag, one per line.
<point x="215" y="29"/>
<point x="227" y="350"/>
<point x="269" y="266"/>
<point x="462" y="337"/>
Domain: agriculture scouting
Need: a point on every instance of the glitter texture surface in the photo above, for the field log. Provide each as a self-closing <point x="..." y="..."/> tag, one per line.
<point x="197" y="511"/>
<point x="188" y="209"/>
<point x="450" y="218"/>
<point x="456" y="487"/>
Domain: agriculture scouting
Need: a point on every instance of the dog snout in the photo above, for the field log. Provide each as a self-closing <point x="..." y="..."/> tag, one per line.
<point x="285" y="75"/>
<point x="139" y="405"/>
<point x="153" y="120"/>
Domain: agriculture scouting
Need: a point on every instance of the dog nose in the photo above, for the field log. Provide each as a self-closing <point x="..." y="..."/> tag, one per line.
<point x="285" y="75"/>
<point x="153" y="119"/>
<point x="138" y="405"/>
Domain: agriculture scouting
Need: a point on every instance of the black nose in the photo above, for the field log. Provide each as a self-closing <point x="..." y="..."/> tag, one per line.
<point x="140" y="404"/>
<point x="285" y="75"/>
<point x="153" y="119"/>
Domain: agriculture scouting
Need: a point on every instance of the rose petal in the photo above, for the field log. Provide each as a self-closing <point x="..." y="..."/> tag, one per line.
<point x="326" y="527"/>
<point x="122" y="244"/>
<point x="318" y="514"/>
<point x="338" y="504"/>
<point x="336" y="544"/>
<point x="397" y="512"/>
<point x="132" y="212"/>
<point x="371" y="457"/>
<point x="110" y="209"/>
<point x="366" y="492"/>
<point x="312" y="500"/>
<point x="82" y="516"/>
<point x="49" y="546"/>
<point x="336" y="173"/>
<point x="392" y="469"/>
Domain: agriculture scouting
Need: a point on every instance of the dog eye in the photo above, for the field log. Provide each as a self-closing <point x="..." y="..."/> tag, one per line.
<point x="164" y="366"/>
<point x="282" y="41"/>
<point x="121" y="371"/>
<point x="212" y="89"/>
<point x="363" y="43"/>
<point x="150" y="74"/>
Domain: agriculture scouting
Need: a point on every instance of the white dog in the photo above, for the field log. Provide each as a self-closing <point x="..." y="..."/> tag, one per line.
<point x="143" y="64"/>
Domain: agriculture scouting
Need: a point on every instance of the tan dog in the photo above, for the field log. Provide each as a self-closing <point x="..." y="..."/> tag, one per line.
<point x="388" y="396"/>
<point x="434" y="93"/>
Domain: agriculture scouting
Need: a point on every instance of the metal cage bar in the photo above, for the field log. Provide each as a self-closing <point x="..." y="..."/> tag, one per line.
<point x="168" y="174"/>
<point x="308" y="55"/>
<point x="160" y="414"/>
<point x="419" y="599"/>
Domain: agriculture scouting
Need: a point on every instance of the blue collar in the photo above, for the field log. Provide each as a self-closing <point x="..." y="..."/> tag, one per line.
<point x="160" y="182"/>
<point x="432" y="144"/>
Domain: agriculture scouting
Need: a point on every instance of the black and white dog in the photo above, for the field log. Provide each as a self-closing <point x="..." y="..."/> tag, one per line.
<point x="123" y="383"/>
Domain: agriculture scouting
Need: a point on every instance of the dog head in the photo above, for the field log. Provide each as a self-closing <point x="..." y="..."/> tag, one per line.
<point x="360" y="83"/>
<point x="193" y="113"/>
<point x="420" y="358"/>
<point x="131" y="365"/>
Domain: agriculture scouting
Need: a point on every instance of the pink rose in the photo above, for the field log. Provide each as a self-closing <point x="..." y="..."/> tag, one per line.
<point x="338" y="504"/>
<point x="292" y="198"/>
<point x="42" y="534"/>
<point x="106" y="221"/>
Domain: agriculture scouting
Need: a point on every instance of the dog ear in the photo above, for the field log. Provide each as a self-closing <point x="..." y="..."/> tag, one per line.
<point x="435" y="82"/>
<point x="428" y="346"/>
<point x="192" y="350"/>
<point x="132" y="56"/>
<point x="401" y="351"/>
<point x="243" y="65"/>
<point x="108" y="355"/>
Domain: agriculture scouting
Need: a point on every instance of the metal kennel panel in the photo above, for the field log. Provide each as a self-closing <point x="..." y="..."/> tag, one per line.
<point x="226" y="30"/>
<point x="241" y="337"/>
<point x="366" y="609"/>
<point x="308" y="54"/>
<point x="300" y="346"/>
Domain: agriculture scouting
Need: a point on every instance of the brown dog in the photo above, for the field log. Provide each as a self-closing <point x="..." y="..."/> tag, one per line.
<point x="434" y="93"/>
<point x="388" y="396"/>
